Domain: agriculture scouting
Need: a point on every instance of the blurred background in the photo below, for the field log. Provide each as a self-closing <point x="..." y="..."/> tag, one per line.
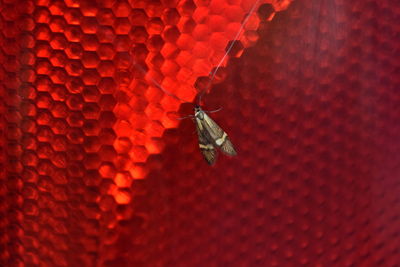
<point x="96" y="170"/>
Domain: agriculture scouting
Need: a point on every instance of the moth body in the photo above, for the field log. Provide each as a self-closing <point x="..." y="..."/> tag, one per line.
<point x="211" y="136"/>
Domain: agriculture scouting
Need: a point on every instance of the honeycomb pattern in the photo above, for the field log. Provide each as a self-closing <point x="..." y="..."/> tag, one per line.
<point x="79" y="119"/>
<point x="312" y="106"/>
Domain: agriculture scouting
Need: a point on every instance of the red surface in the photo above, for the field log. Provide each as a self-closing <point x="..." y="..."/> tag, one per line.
<point x="312" y="107"/>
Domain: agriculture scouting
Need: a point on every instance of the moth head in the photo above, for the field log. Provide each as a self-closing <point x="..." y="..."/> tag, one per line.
<point x="198" y="112"/>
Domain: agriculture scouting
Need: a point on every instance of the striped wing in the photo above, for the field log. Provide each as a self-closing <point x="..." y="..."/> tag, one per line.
<point x="206" y="147"/>
<point x="217" y="136"/>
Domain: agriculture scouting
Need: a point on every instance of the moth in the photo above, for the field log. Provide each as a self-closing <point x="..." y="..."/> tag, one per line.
<point x="211" y="136"/>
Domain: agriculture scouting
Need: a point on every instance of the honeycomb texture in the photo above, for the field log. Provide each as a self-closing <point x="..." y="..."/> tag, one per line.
<point x="312" y="106"/>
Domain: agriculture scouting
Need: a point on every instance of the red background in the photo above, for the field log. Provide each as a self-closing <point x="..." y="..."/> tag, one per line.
<point x="312" y="108"/>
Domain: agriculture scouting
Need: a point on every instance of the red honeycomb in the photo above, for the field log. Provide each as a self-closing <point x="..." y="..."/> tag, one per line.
<point x="312" y="106"/>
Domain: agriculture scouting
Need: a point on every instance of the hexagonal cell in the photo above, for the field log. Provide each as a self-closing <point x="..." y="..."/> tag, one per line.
<point x="30" y="208"/>
<point x="140" y="52"/>
<point x="75" y="152"/>
<point x="107" y="136"/>
<point x="58" y="93"/>
<point x="59" y="126"/>
<point x="75" y="135"/>
<point x="139" y="154"/>
<point x="265" y="11"/>
<point x="14" y="149"/>
<point x="234" y="48"/>
<point x="185" y="42"/>
<point x="73" y="16"/>
<point x="43" y="84"/>
<point x="26" y="23"/>
<point x="122" y="43"/>
<point x="58" y="76"/>
<point x="91" y="94"/>
<point x="186" y="7"/>
<point x="122" y="196"/>
<point x="57" y="7"/>
<point x="43" y="66"/>
<point x="123" y="145"/>
<point x="43" y="117"/>
<point x="45" y="151"/>
<point x="27" y="108"/>
<point x="42" y="49"/>
<point x="106" y="34"/>
<point x="156" y="60"/>
<point x="89" y="25"/>
<point x="107" y="85"/>
<point x="92" y="161"/>
<point x="106" y="69"/>
<point x="43" y="100"/>
<point x="170" y="51"/>
<point x="107" y="119"/>
<point x="91" y="77"/>
<point x="155" y="43"/>
<point x="107" y="102"/>
<point x="30" y="192"/>
<point x="107" y="153"/>
<point x="29" y="158"/>
<point x="90" y="42"/>
<point x="138" y="171"/>
<point x="171" y="34"/>
<point x="30" y="175"/>
<point x="75" y="119"/>
<point x="123" y="179"/>
<point x="74" y="68"/>
<point x="170" y="68"/>
<point x="58" y="41"/>
<point x="138" y="34"/>
<point x="91" y="110"/>
<point x="57" y="24"/>
<point x="75" y="102"/>
<point x="154" y="128"/>
<point x="122" y="26"/>
<point x="42" y="32"/>
<point x="73" y="33"/>
<point x="91" y="127"/>
<point x="41" y="15"/>
<point x="171" y="16"/>
<point x="75" y="85"/>
<point x="59" y="143"/>
<point x="153" y="26"/>
<point x="27" y="57"/>
<point x="106" y="51"/>
<point x="58" y="58"/>
<point x="105" y="17"/>
<point x="155" y="145"/>
<point x="44" y="134"/>
<point x="91" y="144"/>
<point x="74" y="50"/>
<point x="121" y="9"/>
<point x="59" y="109"/>
<point x="89" y="8"/>
<point x="28" y="125"/>
<point x="107" y="203"/>
<point x="90" y="59"/>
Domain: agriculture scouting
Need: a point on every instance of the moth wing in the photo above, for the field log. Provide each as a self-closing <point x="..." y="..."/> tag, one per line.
<point x="206" y="147"/>
<point x="218" y="136"/>
<point x="227" y="147"/>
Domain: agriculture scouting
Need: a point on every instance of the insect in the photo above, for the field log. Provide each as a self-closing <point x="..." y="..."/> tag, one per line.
<point x="210" y="134"/>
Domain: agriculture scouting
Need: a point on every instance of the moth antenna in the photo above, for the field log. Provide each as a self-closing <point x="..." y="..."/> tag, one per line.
<point x="137" y="66"/>
<point x="213" y="111"/>
<point x="186" y="117"/>
<point x="228" y="50"/>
